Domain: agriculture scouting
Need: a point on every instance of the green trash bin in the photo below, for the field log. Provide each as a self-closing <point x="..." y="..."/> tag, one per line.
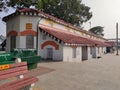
<point x="31" y="61"/>
<point x="6" y="62"/>
<point x="19" y="52"/>
<point x="6" y="58"/>
<point x="28" y="55"/>
<point x="32" y="66"/>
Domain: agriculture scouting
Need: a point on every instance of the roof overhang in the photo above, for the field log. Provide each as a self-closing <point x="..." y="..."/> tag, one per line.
<point x="70" y="38"/>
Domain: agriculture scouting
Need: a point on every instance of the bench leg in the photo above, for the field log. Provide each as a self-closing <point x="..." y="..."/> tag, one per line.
<point x="28" y="87"/>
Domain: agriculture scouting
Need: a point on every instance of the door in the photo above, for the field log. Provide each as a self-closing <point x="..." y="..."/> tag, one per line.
<point x="94" y="52"/>
<point x="50" y="53"/>
<point x="84" y="53"/>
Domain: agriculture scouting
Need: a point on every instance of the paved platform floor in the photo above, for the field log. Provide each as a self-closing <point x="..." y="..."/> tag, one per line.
<point x="94" y="74"/>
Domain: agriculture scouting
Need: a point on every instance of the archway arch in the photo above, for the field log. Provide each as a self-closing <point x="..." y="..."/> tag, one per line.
<point x="12" y="33"/>
<point x="52" y="43"/>
<point x="26" y="32"/>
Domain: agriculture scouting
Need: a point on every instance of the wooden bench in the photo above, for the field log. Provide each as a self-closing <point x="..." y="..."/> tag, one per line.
<point x="16" y="70"/>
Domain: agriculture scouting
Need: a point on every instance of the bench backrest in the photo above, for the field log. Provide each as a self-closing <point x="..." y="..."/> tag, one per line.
<point x="13" y="70"/>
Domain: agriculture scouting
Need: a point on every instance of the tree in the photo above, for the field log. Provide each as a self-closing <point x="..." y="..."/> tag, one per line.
<point x="97" y="30"/>
<point x="3" y="5"/>
<point x="71" y="11"/>
<point x="27" y="3"/>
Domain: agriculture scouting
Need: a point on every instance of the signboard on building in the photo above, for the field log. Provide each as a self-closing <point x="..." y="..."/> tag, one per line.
<point x="28" y="26"/>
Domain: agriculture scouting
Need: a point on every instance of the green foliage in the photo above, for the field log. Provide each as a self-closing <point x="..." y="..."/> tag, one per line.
<point x="97" y="30"/>
<point x="20" y="3"/>
<point x="3" y="5"/>
<point x="40" y="3"/>
<point x="71" y="11"/>
<point x="27" y="3"/>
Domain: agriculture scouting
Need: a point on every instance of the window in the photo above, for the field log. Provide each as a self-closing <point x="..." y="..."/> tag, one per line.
<point x="13" y="42"/>
<point x="29" y="41"/>
<point x="44" y="36"/>
<point x="74" y="52"/>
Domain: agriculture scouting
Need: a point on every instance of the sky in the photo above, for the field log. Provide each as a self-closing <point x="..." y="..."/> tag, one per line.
<point x="2" y="23"/>
<point x="105" y="13"/>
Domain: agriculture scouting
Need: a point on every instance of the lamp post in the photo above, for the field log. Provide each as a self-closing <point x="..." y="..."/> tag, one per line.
<point x="37" y="29"/>
<point x="37" y="41"/>
<point x="117" y="39"/>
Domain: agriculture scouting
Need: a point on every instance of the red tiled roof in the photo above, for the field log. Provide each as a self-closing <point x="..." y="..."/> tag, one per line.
<point x="112" y="43"/>
<point x="52" y="18"/>
<point x="70" y="38"/>
<point x="100" y="43"/>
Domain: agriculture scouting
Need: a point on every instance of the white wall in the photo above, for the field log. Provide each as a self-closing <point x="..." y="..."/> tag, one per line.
<point x="13" y="24"/>
<point x="22" y="42"/>
<point x="89" y="54"/>
<point x="17" y="43"/>
<point x="67" y="54"/>
<point x="8" y="44"/>
<point x="96" y="53"/>
<point x="101" y="51"/>
<point x="55" y="25"/>
<point x="104" y="50"/>
<point x="28" y="19"/>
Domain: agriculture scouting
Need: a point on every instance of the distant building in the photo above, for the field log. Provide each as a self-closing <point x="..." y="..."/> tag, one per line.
<point x="2" y="38"/>
<point x="53" y="38"/>
<point x="112" y="43"/>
